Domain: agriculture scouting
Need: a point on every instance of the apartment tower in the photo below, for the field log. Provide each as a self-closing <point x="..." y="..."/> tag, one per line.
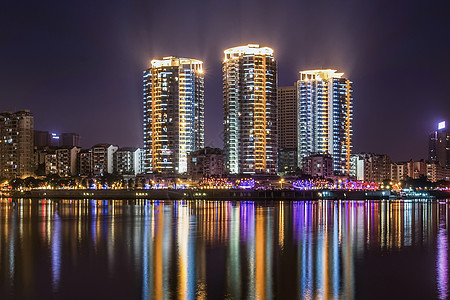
<point x="325" y="113"/>
<point x="173" y="113"/>
<point x="287" y="128"/>
<point x="250" y="110"/>
<point x="16" y="144"/>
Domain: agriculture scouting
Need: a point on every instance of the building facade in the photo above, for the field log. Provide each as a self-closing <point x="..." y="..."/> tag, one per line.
<point x="66" y="159"/>
<point x="408" y="169"/>
<point x="206" y="162"/>
<point x="439" y="145"/>
<point x="16" y="144"/>
<point x="42" y="139"/>
<point x="85" y="162"/>
<point x="103" y="159"/>
<point x="250" y="110"/>
<point x="51" y="163"/>
<point x="318" y="165"/>
<point x="173" y="113"/>
<point x="370" y="167"/>
<point x="287" y="128"/>
<point x="70" y="139"/>
<point x="325" y="114"/>
<point x="128" y="161"/>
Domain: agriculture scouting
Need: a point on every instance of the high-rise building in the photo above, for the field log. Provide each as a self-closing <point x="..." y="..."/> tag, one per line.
<point x="16" y="144"/>
<point x="173" y="113"/>
<point x="287" y="128"/>
<point x="325" y="113"/>
<point x="250" y="110"/>
<point x="439" y="146"/>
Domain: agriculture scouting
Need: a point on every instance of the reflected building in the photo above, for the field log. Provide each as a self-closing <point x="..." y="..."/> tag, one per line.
<point x="325" y="115"/>
<point x="173" y="113"/>
<point x="250" y="110"/>
<point x="172" y="250"/>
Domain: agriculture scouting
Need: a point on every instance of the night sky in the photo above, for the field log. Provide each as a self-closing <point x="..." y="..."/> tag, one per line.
<point x="77" y="65"/>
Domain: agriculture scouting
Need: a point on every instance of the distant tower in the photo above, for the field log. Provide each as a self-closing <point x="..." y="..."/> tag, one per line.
<point x="325" y="111"/>
<point x="173" y="113"/>
<point x="16" y="144"/>
<point x="250" y="110"/>
<point x="287" y="128"/>
<point x="439" y="145"/>
<point x="70" y="139"/>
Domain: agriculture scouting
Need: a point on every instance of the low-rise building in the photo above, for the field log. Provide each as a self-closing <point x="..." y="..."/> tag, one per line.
<point x="370" y="167"/>
<point x="399" y="171"/>
<point x="408" y="169"/>
<point x="436" y="172"/>
<point x="206" y="162"/>
<point x="66" y="158"/>
<point x="103" y="159"/>
<point x="128" y="161"/>
<point x="61" y="161"/>
<point x="51" y="163"/>
<point x="85" y="162"/>
<point x="318" y="165"/>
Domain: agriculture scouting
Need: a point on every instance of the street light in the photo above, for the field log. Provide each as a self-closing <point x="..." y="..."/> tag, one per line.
<point x="281" y="182"/>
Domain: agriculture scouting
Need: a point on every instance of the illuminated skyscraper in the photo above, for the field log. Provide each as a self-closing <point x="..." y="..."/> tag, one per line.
<point x="173" y="113"/>
<point x="250" y="110"/>
<point x="325" y="114"/>
<point x="439" y="145"/>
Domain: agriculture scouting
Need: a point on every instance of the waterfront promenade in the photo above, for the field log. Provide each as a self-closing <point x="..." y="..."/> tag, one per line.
<point x="230" y="194"/>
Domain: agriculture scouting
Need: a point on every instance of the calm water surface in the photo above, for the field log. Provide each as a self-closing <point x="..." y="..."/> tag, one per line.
<point x="236" y="250"/>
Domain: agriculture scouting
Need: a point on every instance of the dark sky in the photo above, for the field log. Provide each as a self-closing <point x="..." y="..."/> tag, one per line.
<point x="77" y="65"/>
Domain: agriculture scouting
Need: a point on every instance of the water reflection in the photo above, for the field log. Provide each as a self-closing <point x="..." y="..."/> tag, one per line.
<point x="208" y="249"/>
<point x="442" y="260"/>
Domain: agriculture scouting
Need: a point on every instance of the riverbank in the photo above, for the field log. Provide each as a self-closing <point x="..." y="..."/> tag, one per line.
<point x="290" y="195"/>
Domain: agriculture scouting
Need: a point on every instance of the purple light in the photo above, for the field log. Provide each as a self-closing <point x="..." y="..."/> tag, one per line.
<point x="247" y="184"/>
<point x="442" y="264"/>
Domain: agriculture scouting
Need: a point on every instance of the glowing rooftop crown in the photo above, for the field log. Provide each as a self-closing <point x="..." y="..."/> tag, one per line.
<point x="319" y="74"/>
<point x="171" y="61"/>
<point x="253" y="49"/>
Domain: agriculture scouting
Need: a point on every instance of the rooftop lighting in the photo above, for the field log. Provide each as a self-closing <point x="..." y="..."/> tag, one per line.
<point x="253" y="49"/>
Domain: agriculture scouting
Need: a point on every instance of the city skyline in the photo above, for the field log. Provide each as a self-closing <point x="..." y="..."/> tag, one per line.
<point x="99" y="80"/>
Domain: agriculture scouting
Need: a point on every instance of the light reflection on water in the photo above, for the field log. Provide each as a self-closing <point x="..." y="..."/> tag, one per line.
<point x="208" y="249"/>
